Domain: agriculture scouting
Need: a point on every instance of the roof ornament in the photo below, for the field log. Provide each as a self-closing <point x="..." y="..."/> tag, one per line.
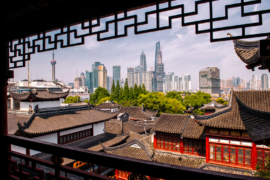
<point x="30" y="111"/>
<point x="36" y="109"/>
<point x="143" y="107"/>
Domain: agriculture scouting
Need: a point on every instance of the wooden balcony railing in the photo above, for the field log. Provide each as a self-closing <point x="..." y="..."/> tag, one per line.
<point x="149" y="168"/>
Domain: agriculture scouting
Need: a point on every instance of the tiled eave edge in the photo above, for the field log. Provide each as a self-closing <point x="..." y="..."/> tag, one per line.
<point x="133" y="141"/>
<point x="250" y="130"/>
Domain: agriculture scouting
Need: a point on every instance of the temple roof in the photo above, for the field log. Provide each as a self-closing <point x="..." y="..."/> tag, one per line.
<point x="249" y="53"/>
<point x="136" y="148"/>
<point x="49" y="122"/>
<point x="193" y="130"/>
<point x="171" y="123"/>
<point x="139" y="112"/>
<point x="249" y="110"/>
<point x="38" y="95"/>
<point x="108" y="105"/>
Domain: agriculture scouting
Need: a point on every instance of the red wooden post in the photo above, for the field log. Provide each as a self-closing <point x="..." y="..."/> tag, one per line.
<point x="6" y="169"/>
<point x="207" y="150"/>
<point x="155" y="141"/>
<point x="181" y="146"/>
<point x="116" y="173"/>
<point x="253" y="155"/>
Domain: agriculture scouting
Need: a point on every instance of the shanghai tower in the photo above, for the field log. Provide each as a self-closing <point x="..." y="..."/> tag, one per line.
<point x="159" y="69"/>
<point x="53" y="62"/>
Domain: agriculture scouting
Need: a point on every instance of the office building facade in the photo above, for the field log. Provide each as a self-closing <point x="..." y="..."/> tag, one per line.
<point x="209" y="80"/>
<point x="116" y="74"/>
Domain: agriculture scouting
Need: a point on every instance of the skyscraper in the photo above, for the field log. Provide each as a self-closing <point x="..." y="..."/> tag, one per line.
<point x="158" y="55"/>
<point x="229" y="83"/>
<point x="102" y="76"/>
<point x="130" y="74"/>
<point x="186" y="78"/>
<point x="53" y="62"/>
<point x="180" y="84"/>
<point x="159" y="69"/>
<point x="237" y="82"/>
<point x="143" y="61"/>
<point x="138" y="75"/>
<point x="77" y="82"/>
<point x="116" y="74"/>
<point x="82" y="79"/>
<point x="89" y="80"/>
<point x="209" y="80"/>
<point x="264" y="82"/>
<point x="175" y="83"/>
<point x="95" y="74"/>
<point x="254" y="82"/>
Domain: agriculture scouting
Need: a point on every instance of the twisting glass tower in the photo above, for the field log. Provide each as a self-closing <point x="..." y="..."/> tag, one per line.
<point x="159" y="69"/>
<point x="143" y="61"/>
<point x="53" y="62"/>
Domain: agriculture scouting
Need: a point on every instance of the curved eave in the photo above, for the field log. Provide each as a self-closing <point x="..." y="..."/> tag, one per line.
<point x="20" y="96"/>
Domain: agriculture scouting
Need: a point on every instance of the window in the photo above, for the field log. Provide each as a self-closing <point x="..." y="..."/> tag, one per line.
<point x="192" y="146"/>
<point x="167" y="142"/>
<point x="262" y="156"/>
<point x="74" y="136"/>
<point x="230" y="154"/>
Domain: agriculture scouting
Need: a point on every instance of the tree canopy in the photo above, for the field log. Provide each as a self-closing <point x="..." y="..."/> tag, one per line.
<point x="197" y="100"/>
<point x="98" y="95"/>
<point x="174" y="95"/>
<point x="156" y="100"/>
<point x="71" y="99"/>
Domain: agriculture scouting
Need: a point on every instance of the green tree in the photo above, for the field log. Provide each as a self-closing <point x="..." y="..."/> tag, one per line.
<point x="136" y="91"/>
<point x="121" y="95"/>
<point x="98" y="95"/>
<point x="174" y="95"/>
<point x="199" y="112"/>
<point x="112" y="91"/>
<point x="144" y="90"/>
<point x="140" y="91"/>
<point x="225" y="103"/>
<point x="156" y="100"/>
<point x="117" y="91"/>
<point x="72" y="99"/>
<point x="131" y="96"/>
<point x="126" y="91"/>
<point x="220" y="100"/>
<point x="197" y="100"/>
<point x="103" y="100"/>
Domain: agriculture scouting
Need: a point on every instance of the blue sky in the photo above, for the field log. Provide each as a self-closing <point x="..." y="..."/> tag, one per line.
<point x="184" y="52"/>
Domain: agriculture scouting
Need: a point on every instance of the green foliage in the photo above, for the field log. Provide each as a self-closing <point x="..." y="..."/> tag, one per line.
<point x="197" y="100"/>
<point x="103" y="100"/>
<point x="131" y="96"/>
<point x="199" y="112"/>
<point x="112" y="90"/>
<point x="144" y="90"/>
<point x="220" y="100"/>
<point x="156" y="100"/>
<point x="185" y="92"/>
<point x="126" y="91"/>
<point x="140" y="91"/>
<point x="174" y="95"/>
<point x="86" y="101"/>
<point x="98" y="95"/>
<point x="136" y="91"/>
<point x="72" y="99"/>
<point x="116" y="93"/>
<point x="261" y="171"/>
<point x="225" y="103"/>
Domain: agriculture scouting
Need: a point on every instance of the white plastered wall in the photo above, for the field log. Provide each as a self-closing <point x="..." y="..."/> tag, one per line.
<point x="99" y="128"/>
<point x="25" y="105"/>
<point x="52" y="138"/>
<point x="75" y="130"/>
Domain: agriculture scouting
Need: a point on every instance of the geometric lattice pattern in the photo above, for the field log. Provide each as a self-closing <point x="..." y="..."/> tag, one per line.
<point x="20" y="48"/>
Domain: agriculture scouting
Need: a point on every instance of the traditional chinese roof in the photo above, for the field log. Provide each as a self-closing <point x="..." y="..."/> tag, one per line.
<point x="35" y="95"/>
<point x="171" y="123"/>
<point x="49" y="122"/>
<point x="109" y="143"/>
<point x="249" y="110"/>
<point x="13" y="119"/>
<point x="139" y="112"/>
<point x="194" y="130"/>
<point x="108" y="105"/>
<point x="226" y="169"/>
<point x="248" y="52"/>
<point x="178" y="159"/>
<point x="138" y="149"/>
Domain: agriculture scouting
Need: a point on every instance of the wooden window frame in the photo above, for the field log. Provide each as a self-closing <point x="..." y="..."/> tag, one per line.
<point x="166" y="142"/>
<point x="64" y="139"/>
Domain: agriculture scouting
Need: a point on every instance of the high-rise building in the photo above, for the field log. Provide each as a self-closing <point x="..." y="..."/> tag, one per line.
<point x="95" y="74"/>
<point x="259" y="84"/>
<point x="71" y="85"/>
<point x="222" y="84"/>
<point x="180" y="84"/>
<point x="102" y="76"/>
<point x="143" y="61"/>
<point x="234" y="81"/>
<point x="248" y="85"/>
<point x="268" y="85"/>
<point x="254" y="82"/>
<point x="244" y="83"/>
<point x="175" y="86"/>
<point x="82" y="79"/>
<point x="237" y="81"/>
<point x="89" y="80"/>
<point x="151" y="81"/>
<point x="110" y="83"/>
<point x="186" y="79"/>
<point x="77" y="82"/>
<point x="229" y="83"/>
<point x="139" y="70"/>
<point x="116" y="74"/>
<point x="130" y="75"/>
<point x="264" y="82"/>
<point x="209" y="81"/>
<point x="53" y="62"/>
<point x="122" y="83"/>
<point x="137" y="78"/>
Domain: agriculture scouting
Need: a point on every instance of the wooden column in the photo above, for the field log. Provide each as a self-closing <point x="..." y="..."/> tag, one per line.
<point x="207" y="150"/>
<point x="253" y="156"/>
<point x="155" y="141"/>
<point x="6" y="169"/>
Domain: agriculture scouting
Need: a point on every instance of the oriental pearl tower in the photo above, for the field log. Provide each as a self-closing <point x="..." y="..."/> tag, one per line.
<point x="53" y="62"/>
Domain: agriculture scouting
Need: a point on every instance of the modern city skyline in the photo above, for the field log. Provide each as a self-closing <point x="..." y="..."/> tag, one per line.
<point x="143" y="61"/>
<point x="116" y="73"/>
<point x="53" y="62"/>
